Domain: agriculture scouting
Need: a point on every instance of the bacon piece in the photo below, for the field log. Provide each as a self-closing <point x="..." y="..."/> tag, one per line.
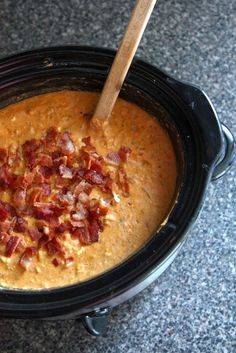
<point x="79" y="215"/>
<point x="40" y="224"/>
<point x="83" y="235"/>
<point x="43" y="212"/>
<point x="98" y="210"/>
<point x="65" y="199"/>
<point x="83" y="198"/>
<point x="29" y="149"/>
<point x="38" y="177"/>
<point x="57" y="162"/>
<point x="65" y="172"/>
<point x="56" y="262"/>
<point x="8" y="207"/>
<point x="83" y="186"/>
<point x="47" y="211"/>
<point x="45" y="160"/>
<point x="3" y="155"/>
<point x="54" y="247"/>
<point x="30" y="146"/>
<point x="12" y="245"/>
<point x="4" y="237"/>
<point x="96" y="165"/>
<point x="20" y="225"/>
<point x="79" y="174"/>
<point x="66" y="143"/>
<point x="56" y="155"/>
<point x="87" y="140"/>
<point x="27" y="257"/>
<point x="60" y="182"/>
<point x="76" y="224"/>
<point x="3" y="214"/>
<point x="94" y="228"/>
<point x="94" y="177"/>
<point x="34" y="196"/>
<point x="34" y="233"/>
<point x="47" y="172"/>
<point x="22" y="181"/>
<point x="124" y="153"/>
<point x="43" y="240"/>
<point x="69" y="261"/>
<point x="63" y="227"/>
<point x="51" y="134"/>
<point x="114" y="158"/>
<point x="19" y="198"/>
<point x="6" y="178"/>
<point x="13" y="157"/>
<point x="123" y="181"/>
<point x="21" y="246"/>
<point x="45" y="190"/>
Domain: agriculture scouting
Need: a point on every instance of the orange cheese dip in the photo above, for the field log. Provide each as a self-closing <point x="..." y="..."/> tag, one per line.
<point x="130" y="210"/>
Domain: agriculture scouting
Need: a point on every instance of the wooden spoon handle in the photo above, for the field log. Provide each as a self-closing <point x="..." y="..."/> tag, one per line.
<point x="123" y="59"/>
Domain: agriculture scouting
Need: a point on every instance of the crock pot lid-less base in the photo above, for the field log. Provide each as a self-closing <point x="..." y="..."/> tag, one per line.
<point x="79" y="66"/>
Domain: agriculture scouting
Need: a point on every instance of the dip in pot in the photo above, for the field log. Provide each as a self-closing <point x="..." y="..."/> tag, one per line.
<point x="132" y="217"/>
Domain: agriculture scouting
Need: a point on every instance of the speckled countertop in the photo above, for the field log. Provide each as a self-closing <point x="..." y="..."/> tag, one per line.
<point x="192" y="306"/>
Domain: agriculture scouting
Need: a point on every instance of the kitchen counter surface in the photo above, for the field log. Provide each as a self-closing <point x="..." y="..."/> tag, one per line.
<point x="192" y="306"/>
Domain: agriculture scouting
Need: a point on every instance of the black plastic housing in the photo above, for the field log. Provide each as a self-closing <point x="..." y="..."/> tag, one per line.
<point x="196" y="132"/>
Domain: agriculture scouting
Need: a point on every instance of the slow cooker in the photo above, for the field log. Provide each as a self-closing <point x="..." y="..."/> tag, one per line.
<point x="204" y="149"/>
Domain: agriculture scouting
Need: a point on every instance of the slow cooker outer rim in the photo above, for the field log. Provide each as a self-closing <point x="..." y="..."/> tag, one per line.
<point x="12" y="296"/>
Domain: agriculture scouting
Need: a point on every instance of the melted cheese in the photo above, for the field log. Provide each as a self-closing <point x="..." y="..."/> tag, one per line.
<point x="152" y="173"/>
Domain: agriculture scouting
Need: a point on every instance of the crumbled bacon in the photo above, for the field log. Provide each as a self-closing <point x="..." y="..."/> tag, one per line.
<point x="66" y="143"/>
<point x="65" y="172"/>
<point x="94" y="177"/>
<point x="94" y="228"/>
<point x="19" y="198"/>
<point x="6" y="178"/>
<point x="51" y="135"/>
<point x="124" y="153"/>
<point x="79" y="215"/>
<point x="3" y="214"/>
<point x="54" y="194"/>
<point x="114" y="157"/>
<point x="83" y="235"/>
<point x="27" y="257"/>
<point x="20" y="225"/>
<point x="45" y="160"/>
<point x="13" y="157"/>
<point x="123" y="181"/>
<point x="47" y="211"/>
<point x="63" y="227"/>
<point x="4" y="237"/>
<point x="3" y="155"/>
<point x="11" y="245"/>
<point x="55" y="262"/>
<point x="9" y="208"/>
<point x="65" y="199"/>
<point x="29" y="149"/>
<point x="21" y="246"/>
<point x="83" y="186"/>
<point x="54" y="247"/>
<point x="69" y="261"/>
<point x="34" y="233"/>
<point x="47" y="172"/>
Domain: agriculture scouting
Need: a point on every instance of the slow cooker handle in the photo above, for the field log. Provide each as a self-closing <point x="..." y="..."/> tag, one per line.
<point x="229" y="154"/>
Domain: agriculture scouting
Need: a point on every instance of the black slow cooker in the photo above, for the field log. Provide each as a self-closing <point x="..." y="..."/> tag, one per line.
<point x="204" y="149"/>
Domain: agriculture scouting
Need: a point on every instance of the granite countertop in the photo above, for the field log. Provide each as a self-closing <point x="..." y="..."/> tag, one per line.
<point x="192" y="306"/>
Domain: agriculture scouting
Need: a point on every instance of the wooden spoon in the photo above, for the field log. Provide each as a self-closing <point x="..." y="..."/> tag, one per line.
<point x="122" y="61"/>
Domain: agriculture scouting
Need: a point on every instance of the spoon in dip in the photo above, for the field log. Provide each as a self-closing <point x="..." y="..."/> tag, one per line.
<point x="133" y="34"/>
